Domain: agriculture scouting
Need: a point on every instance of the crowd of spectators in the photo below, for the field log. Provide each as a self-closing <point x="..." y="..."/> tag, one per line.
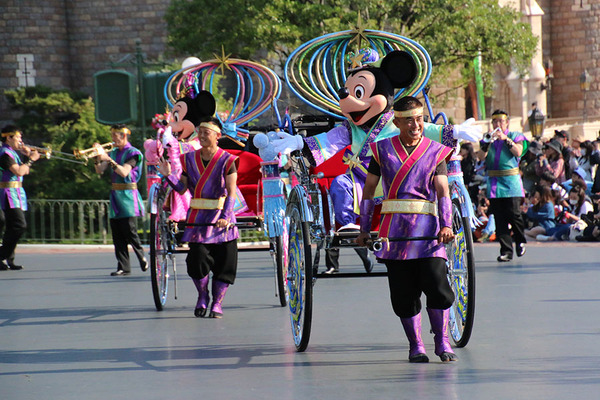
<point x="561" y="180"/>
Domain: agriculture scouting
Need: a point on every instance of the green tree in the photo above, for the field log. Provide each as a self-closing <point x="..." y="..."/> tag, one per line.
<point x="62" y="121"/>
<point x="452" y="31"/>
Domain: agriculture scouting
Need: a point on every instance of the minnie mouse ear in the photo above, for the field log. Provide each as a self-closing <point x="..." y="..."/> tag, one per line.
<point x="400" y="68"/>
<point x="206" y="103"/>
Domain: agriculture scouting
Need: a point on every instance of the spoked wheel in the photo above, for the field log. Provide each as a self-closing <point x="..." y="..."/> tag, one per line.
<point x="159" y="255"/>
<point x="461" y="275"/>
<point x="281" y="270"/>
<point x="299" y="279"/>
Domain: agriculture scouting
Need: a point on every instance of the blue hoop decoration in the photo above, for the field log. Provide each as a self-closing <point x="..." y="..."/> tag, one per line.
<point x="312" y="69"/>
<point x="257" y="88"/>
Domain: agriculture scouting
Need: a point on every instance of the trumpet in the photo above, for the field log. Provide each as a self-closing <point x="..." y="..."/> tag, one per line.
<point x="488" y="137"/>
<point x="92" y="151"/>
<point x="48" y="153"/>
<point x="44" y="151"/>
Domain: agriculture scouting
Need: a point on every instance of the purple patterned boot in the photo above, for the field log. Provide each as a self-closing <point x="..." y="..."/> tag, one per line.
<point x="203" y="298"/>
<point x="412" y="328"/>
<point x="439" y="326"/>
<point x="218" y="289"/>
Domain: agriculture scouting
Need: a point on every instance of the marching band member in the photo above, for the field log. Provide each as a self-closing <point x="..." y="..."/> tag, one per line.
<point x="503" y="150"/>
<point x="125" y="200"/>
<point x="13" y="199"/>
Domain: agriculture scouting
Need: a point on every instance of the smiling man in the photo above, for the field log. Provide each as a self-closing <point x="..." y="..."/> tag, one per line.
<point x="417" y="204"/>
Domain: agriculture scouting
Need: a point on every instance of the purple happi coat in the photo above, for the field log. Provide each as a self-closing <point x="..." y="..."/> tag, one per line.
<point x="207" y="182"/>
<point x="409" y="177"/>
<point x="13" y="197"/>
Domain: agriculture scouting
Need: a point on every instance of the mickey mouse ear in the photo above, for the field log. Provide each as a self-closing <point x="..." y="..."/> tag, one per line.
<point x="400" y="68"/>
<point x="206" y="103"/>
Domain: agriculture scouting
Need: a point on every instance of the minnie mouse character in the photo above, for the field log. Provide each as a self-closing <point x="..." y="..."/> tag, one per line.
<point x="366" y="100"/>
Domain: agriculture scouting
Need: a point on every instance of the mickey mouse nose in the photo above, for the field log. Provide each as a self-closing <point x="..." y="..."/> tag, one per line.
<point x="343" y="93"/>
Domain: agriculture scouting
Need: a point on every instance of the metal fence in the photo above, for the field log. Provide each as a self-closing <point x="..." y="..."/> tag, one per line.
<point x="86" y="222"/>
<point x="73" y="221"/>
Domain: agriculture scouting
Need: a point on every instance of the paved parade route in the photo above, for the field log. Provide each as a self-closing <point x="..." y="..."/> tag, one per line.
<point x="70" y="331"/>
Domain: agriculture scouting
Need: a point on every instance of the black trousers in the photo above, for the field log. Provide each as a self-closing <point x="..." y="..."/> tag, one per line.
<point x="508" y="211"/>
<point x="332" y="257"/>
<point x="220" y="258"/>
<point x="408" y="279"/>
<point x="124" y="232"/>
<point x="14" y="220"/>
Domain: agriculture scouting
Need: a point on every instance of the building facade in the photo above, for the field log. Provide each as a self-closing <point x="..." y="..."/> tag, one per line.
<point x="63" y="43"/>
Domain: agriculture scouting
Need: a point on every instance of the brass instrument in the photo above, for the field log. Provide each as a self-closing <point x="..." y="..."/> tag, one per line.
<point x="48" y="153"/>
<point x="44" y="151"/>
<point x="92" y="151"/>
<point x="488" y="137"/>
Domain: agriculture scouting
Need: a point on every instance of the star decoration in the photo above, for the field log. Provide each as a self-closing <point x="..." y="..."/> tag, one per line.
<point x="223" y="60"/>
<point x="356" y="60"/>
<point x="358" y="33"/>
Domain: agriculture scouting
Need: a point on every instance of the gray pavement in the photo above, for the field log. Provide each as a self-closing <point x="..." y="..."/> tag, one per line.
<point x="70" y="331"/>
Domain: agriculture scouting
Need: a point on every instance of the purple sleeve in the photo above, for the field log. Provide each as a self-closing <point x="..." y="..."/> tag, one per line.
<point x="327" y="144"/>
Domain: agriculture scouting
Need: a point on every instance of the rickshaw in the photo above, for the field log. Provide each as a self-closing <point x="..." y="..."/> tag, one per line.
<point x="257" y="89"/>
<point x="313" y="72"/>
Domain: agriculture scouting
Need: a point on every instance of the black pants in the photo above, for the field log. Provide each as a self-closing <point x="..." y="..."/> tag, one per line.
<point x="332" y="257"/>
<point x="508" y="211"/>
<point x="408" y="279"/>
<point x="220" y="258"/>
<point x="14" y="220"/>
<point x="124" y="232"/>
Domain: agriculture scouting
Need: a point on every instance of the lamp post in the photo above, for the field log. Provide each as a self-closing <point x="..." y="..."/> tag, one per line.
<point x="536" y="122"/>
<point x="584" y="82"/>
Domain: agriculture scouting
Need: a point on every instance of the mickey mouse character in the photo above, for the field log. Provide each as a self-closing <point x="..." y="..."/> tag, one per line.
<point x="366" y="100"/>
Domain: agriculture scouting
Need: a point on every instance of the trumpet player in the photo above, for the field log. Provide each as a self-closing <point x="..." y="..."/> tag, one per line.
<point x="125" y="200"/>
<point x="504" y="185"/>
<point x="15" y="162"/>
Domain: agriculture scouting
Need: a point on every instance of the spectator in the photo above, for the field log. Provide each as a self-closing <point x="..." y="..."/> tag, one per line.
<point x="592" y="232"/>
<point x="541" y="213"/>
<point x="552" y="160"/>
<point x="584" y="160"/>
<point x="547" y="179"/>
<point x="487" y="232"/>
<point x="467" y="164"/>
<point x="527" y="166"/>
<point x="570" y="162"/>
<point x="580" y="207"/>
<point x="577" y="179"/>
<point x="595" y="160"/>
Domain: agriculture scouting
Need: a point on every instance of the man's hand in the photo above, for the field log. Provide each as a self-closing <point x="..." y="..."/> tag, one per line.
<point x="102" y="156"/>
<point x="34" y="155"/>
<point x="221" y="223"/>
<point x="362" y="239"/>
<point x="446" y="235"/>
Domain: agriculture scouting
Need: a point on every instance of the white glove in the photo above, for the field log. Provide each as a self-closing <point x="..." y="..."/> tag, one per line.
<point x="467" y="132"/>
<point x="168" y="138"/>
<point x="265" y="150"/>
<point x="287" y="143"/>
